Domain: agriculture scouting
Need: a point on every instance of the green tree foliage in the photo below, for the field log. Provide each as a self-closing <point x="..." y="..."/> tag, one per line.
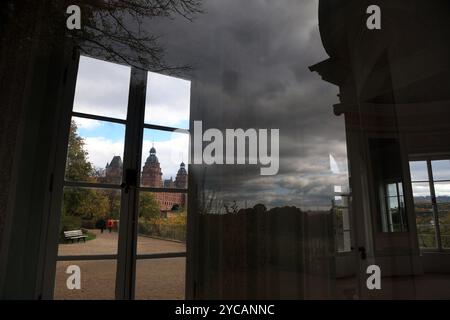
<point x="79" y="203"/>
<point x="148" y="206"/>
<point x="113" y="203"/>
<point x="78" y="168"/>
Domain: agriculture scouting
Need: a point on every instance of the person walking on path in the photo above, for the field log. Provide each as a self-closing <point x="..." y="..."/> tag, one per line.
<point x="110" y="225"/>
<point x="101" y="224"/>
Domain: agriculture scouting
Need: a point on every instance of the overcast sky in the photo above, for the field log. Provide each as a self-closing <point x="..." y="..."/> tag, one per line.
<point x="250" y="70"/>
<point x="249" y="64"/>
<point x="102" y="89"/>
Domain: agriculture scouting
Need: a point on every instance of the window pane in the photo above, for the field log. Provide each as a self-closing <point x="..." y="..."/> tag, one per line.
<point x="392" y="189"/>
<point x="162" y="222"/>
<point x="393" y="203"/>
<point x="102" y="88"/>
<point x="400" y="188"/>
<point x="342" y="224"/>
<point x="164" y="158"/>
<point x="167" y="102"/>
<point x="98" y="280"/>
<point x="419" y="171"/>
<point x="424" y="215"/>
<point x="95" y="151"/>
<point x="160" y="279"/>
<point x="443" y="204"/>
<point x="441" y="170"/>
<point x="93" y="212"/>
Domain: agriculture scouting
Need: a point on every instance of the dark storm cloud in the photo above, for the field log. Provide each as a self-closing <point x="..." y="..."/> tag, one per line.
<point x="250" y="64"/>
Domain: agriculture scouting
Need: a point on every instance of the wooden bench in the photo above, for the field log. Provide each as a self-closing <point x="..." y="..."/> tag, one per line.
<point x="74" y="235"/>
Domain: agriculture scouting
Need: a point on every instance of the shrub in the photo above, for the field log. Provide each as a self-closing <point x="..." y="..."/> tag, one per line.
<point x="87" y="224"/>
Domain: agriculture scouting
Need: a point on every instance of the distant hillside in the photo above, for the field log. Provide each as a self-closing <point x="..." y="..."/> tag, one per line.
<point x="428" y="199"/>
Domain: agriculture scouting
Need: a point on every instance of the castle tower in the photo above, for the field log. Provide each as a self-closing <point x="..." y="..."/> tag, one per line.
<point x="151" y="173"/>
<point x="169" y="183"/>
<point x="113" y="171"/>
<point x="181" y="179"/>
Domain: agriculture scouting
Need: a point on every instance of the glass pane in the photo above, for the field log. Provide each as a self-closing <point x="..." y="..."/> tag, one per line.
<point x="419" y="171"/>
<point x="443" y="203"/>
<point x="441" y="170"/>
<point x="97" y="280"/>
<point x="89" y="222"/>
<point x="423" y="208"/>
<point x="164" y="159"/>
<point x="160" y="279"/>
<point x="168" y="101"/>
<point x="342" y="229"/>
<point x="162" y="222"/>
<point x="400" y="188"/>
<point x="392" y="189"/>
<point x="102" y="88"/>
<point x="95" y="151"/>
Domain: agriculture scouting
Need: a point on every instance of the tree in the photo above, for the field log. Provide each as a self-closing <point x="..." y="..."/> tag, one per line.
<point x="78" y="168"/>
<point x="148" y="206"/>
<point x="113" y="201"/>
<point x="80" y="202"/>
<point x="113" y="29"/>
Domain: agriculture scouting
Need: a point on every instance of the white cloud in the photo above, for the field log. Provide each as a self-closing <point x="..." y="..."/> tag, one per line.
<point x="442" y="189"/>
<point x="102" y="88"/>
<point x="101" y="150"/>
<point x="87" y="124"/>
<point x="168" y="100"/>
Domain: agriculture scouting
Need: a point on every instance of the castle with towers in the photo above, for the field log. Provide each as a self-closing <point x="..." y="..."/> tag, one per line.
<point x="151" y="177"/>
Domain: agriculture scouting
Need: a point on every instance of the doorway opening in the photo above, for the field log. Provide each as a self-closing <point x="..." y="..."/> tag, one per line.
<point x="123" y="212"/>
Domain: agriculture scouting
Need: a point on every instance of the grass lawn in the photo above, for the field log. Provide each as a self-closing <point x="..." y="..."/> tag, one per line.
<point x="90" y="236"/>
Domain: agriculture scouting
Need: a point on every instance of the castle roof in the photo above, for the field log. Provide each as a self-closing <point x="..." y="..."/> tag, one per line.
<point x="152" y="158"/>
<point x="115" y="162"/>
<point x="182" y="170"/>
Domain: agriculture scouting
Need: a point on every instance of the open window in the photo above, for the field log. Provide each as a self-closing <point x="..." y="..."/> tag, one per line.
<point x="125" y="248"/>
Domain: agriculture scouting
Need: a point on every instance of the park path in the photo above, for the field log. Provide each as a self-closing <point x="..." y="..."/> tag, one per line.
<point x="106" y="243"/>
<point x="155" y="278"/>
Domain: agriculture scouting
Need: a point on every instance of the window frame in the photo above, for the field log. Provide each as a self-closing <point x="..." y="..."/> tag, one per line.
<point x="134" y="128"/>
<point x="431" y="183"/>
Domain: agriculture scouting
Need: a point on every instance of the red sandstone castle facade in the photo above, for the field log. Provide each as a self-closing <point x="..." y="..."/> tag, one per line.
<point x="152" y="177"/>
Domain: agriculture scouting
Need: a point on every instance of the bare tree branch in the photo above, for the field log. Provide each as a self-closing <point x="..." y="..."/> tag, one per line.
<point x="113" y="29"/>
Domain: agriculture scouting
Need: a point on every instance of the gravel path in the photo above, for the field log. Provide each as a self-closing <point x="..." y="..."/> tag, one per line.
<point x="106" y="243"/>
<point x="155" y="279"/>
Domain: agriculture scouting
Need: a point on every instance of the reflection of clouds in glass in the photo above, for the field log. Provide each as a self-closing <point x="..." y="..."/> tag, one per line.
<point x="311" y="192"/>
<point x="256" y="76"/>
<point x="102" y="88"/>
<point x="167" y="101"/>
<point x="251" y="71"/>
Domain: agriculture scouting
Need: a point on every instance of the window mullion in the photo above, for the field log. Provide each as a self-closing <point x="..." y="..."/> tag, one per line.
<point x="434" y="204"/>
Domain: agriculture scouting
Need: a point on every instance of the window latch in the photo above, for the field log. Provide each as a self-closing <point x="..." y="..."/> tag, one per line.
<point x="130" y="180"/>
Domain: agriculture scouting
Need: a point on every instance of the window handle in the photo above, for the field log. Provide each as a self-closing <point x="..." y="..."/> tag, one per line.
<point x="362" y="252"/>
<point x="130" y="180"/>
<point x="124" y="187"/>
